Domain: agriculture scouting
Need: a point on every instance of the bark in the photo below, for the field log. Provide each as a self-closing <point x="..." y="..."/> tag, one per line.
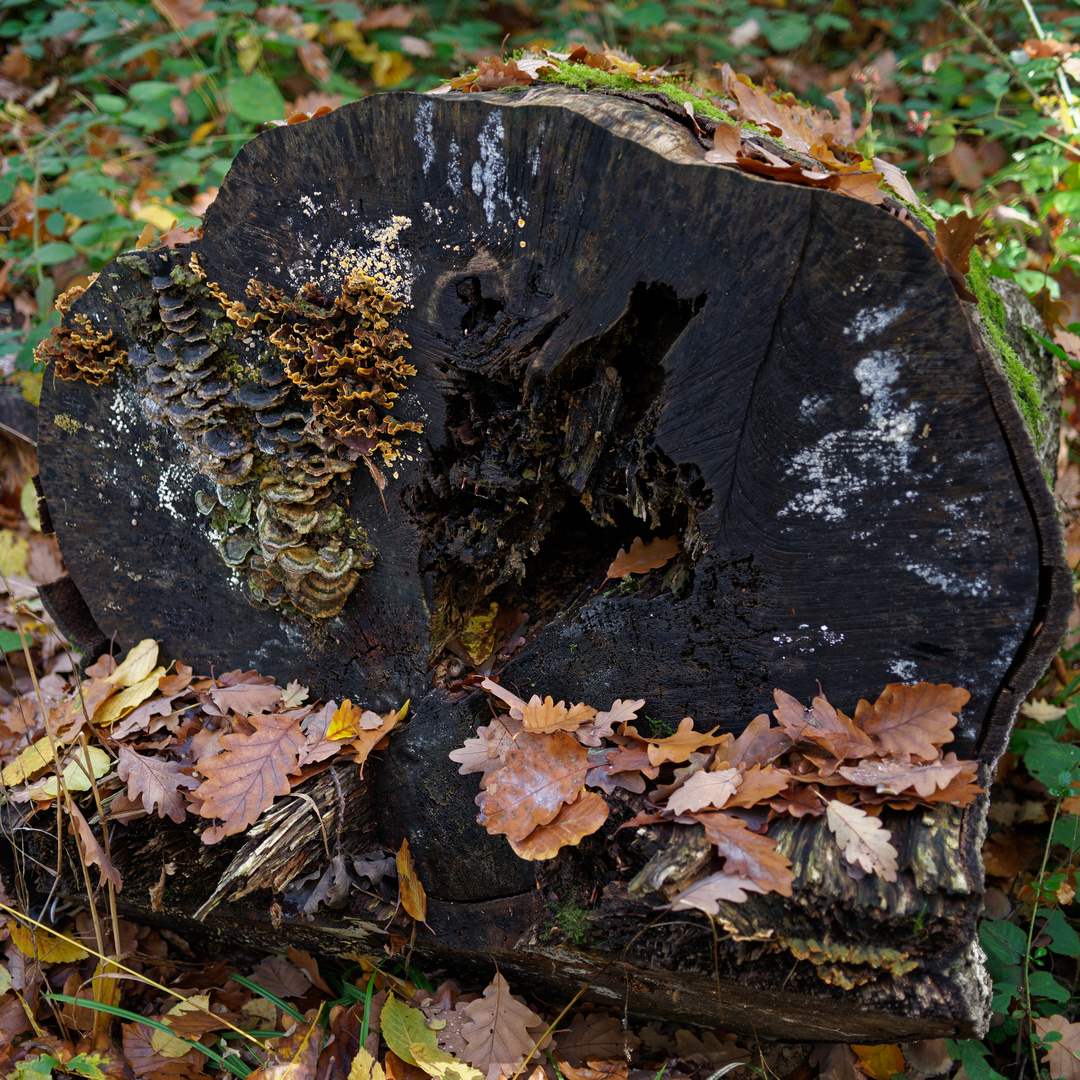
<point x="611" y="338"/>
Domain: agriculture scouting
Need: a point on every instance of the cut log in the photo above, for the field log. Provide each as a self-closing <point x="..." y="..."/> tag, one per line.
<point x="611" y="338"/>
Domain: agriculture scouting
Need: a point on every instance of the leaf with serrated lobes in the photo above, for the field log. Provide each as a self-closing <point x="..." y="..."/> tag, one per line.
<point x="156" y="782"/>
<point x="243" y="780"/>
<point x="863" y="839"/>
<point x="534" y="784"/>
<point x="747" y="853"/>
<point x="912" y="721"/>
<point x="570" y="826"/>
<point x="707" y="894"/>
<point x="497" y="1036"/>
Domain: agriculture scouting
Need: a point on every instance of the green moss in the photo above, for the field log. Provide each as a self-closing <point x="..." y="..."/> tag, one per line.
<point x="572" y="922"/>
<point x="992" y="307"/>
<point x="586" y="78"/>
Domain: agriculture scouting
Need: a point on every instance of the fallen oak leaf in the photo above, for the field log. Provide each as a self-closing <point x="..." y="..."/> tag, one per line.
<point x="682" y="744"/>
<point x="823" y="726"/>
<point x="498" y="1035"/>
<point x="90" y="850"/>
<point x="758" y="785"/>
<point x="893" y="777"/>
<point x="706" y="895"/>
<point x="247" y="699"/>
<point x="705" y="789"/>
<point x="642" y="557"/>
<point x="602" y="725"/>
<point x="411" y="892"/>
<point x="581" y="818"/>
<point x="1063" y="1055"/>
<point x="243" y="780"/>
<point x="156" y="782"/>
<point x="912" y="721"/>
<point x="348" y="721"/>
<point x="727" y="145"/>
<point x="544" y="717"/>
<point x="760" y="743"/>
<point x="863" y="839"/>
<point x="368" y="740"/>
<point x="747" y="853"/>
<point x="536" y="781"/>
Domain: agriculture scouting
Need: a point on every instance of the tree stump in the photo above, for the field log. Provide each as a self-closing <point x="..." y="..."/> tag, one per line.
<point x="611" y="338"/>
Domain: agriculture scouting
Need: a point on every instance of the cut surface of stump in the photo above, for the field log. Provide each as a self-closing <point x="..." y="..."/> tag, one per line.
<point x="579" y="333"/>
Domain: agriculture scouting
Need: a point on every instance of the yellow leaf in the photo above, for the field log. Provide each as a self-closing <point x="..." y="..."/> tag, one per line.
<point x="442" y="1065"/>
<point x="169" y="1045"/>
<point x="390" y="68"/>
<point x="33" y="761"/>
<point x="413" y="896"/>
<point x="14" y="551"/>
<point x="365" y="1067"/>
<point x="478" y="637"/>
<point x="29" y="382"/>
<point x="28" y="505"/>
<point x="47" y="948"/>
<point x="74" y="773"/>
<point x="138" y="663"/>
<point x="346" y="33"/>
<point x="248" y="52"/>
<point x="880" y="1062"/>
<point x="121" y="704"/>
<point x="202" y="131"/>
<point x="345" y="722"/>
<point x="161" y="217"/>
<point x="5" y="980"/>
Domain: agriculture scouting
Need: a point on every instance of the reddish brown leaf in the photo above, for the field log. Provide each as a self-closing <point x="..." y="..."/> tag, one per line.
<point x="759" y="744"/>
<point x="244" y="780"/>
<point x="594" y="1036"/>
<point x="912" y="721"/>
<point x="281" y="978"/>
<point x="747" y="853"/>
<point x="570" y="826"/>
<point x="955" y="238"/>
<point x="156" y="782"/>
<point x="246" y="699"/>
<point x="1062" y="1056"/>
<point x="641" y="558"/>
<point x="544" y="717"/>
<point x="822" y="725"/>
<point x="893" y="777"/>
<point x="493" y="74"/>
<point x="536" y="781"/>
<point x="410" y="890"/>
<point x="727" y="144"/>
<point x="145" y="1061"/>
<point x="92" y="852"/>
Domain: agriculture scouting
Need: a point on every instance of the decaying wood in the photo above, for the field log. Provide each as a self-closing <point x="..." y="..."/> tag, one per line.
<point x="611" y="338"/>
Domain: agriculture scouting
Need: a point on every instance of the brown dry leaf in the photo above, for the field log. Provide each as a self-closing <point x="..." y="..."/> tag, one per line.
<point x="307" y="963"/>
<point x="181" y="14"/>
<point x="853" y="181"/>
<point x="410" y="890"/>
<point x="293" y="1056"/>
<point x="822" y="725"/>
<point x="594" y="1036"/>
<point x="603" y="724"/>
<point x="880" y="1062"/>
<point x="748" y="853"/>
<point x="708" y="1049"/>
<point x="706" y="895"/>
<point x="529" y="790"/>
<point x="492" y="74"/>
<point x="962" y="791"/>
<point x="597" y="1070"/>
<point x="89" y="849"/>
<point x="156" y="782"/>
<point x="482" y="753"/>
<point x="544" y="717"/>
<point x="681" y="745"/>
<point x="368" y="740"/>
<point x="497" y="1037"/>
<point x="1007" y="854"/>
<point x="759" y="785"/>
<point x="727" y="145"/>
<point x="247" y="699"/>
<point x="863" y="839"/>
<point x="892" y="776"/>
<point x="145" y="1061"/>
<point x="170" y="1045"/>
<point x="955" y="238"/>
<point x="280" y="977"/>
<point x="1063" y="1056"/>
<point x="642" y="557"/>
<point x="517" y="705"/>
<point x="705" y="789"/>
<point x="252" y="771"/>
<point x="912" y="721"/>
<point x="835" y="1061"/>
<point x="760" y="743"/>
<point x="571" y="825"/>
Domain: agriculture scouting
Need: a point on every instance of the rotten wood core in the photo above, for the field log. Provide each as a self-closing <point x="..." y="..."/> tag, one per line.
<point x="611" y="338"/>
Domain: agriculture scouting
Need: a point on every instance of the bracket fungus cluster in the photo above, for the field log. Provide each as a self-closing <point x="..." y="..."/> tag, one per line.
<point x="276" y="406"/>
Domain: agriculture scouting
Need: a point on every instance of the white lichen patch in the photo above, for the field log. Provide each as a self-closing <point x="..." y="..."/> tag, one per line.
<point x="904" y="670"/>
<point x="873" y="320"/>
<point x="489" y="173"/>
<point x="955" y="584"/>
<point x="175" y="488"/>
<point x="425" y="132"/>
<point x="841" y="466"/>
